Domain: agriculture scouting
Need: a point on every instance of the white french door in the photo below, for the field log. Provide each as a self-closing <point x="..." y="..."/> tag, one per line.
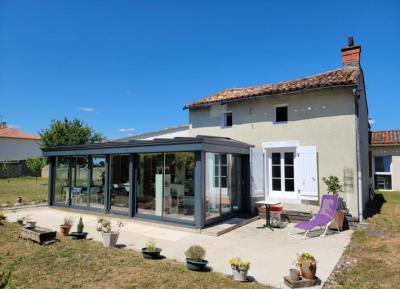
<point x="281" y="173"/>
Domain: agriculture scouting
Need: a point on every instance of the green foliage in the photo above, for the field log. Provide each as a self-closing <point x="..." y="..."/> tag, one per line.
<point x="69" y="132"/>
<point x="80" y="226"/>
<point x="305" y="258"/>
<point x="195" y="253"/>
<point x="333" y="184"/>
<point x="36" y="164"/>
<point x="151" y="246"/>
<point x="5" y="167"/>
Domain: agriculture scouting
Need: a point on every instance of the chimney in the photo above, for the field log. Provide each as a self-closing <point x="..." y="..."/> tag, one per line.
<point x="351" y="54"/>
<point x="3" y="124"/>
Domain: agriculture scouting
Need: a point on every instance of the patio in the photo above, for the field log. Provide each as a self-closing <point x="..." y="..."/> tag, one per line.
<point x="271" y="253"/>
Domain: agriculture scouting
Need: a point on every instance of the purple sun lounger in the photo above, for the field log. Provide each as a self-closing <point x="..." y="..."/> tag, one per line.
<point x="324" y="217"/>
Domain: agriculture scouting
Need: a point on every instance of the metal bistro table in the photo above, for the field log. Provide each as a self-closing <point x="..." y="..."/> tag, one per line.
<point x="268" y="203"/>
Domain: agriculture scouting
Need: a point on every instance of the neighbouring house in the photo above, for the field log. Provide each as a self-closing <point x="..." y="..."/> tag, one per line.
<point x="15" y="147"/>
<point x="242" y="145"/>
<point x="385" y="160"/>
<point x="171" y="132"/>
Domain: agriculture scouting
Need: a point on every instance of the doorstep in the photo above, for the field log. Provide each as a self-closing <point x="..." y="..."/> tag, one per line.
<point x="226" y="226"/>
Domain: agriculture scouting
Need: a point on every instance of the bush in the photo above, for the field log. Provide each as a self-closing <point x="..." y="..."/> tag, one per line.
<point x="195" y="253"/>
<point x="333" y="184"/>
<point x="80" y="226"/>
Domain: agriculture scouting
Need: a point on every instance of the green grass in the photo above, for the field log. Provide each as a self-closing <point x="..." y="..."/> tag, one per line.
<point x="376" y="248"/>
<point x="25" y="187"/>
<point x="87" y="264"/>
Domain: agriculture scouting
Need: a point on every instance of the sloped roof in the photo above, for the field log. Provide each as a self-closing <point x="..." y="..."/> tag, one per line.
<point x="10" y="132"/>
<point x="342" y="76"/>
<point x="385" y="137"/>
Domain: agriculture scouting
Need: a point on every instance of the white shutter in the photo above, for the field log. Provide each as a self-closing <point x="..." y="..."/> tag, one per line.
<point x="306" y="173"/>
<point x="256" y="172"/>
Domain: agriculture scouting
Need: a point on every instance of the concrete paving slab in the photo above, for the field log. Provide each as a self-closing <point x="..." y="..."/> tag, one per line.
<point x="271" y="253"/>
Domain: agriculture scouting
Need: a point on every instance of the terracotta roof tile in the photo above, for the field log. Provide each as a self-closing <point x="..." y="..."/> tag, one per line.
<point x="9" y="132"/>
<point x="341" y="76"/>
<point x="385" y="137"/>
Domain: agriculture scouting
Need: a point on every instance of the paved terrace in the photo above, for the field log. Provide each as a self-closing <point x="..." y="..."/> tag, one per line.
<point x="271" y="253"/>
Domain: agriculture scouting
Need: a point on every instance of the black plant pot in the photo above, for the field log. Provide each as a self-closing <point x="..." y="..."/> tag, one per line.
<point x="151" y="254"/>
<point x="78" y="236"/>
<point x="196" y="265"/>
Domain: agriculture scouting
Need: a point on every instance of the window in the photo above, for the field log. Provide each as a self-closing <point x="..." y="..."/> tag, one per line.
<point x="228" y="119"/>
<point x="281" y="114"/>
<point x="383" y="175"/>
<point x="282" y="171"/>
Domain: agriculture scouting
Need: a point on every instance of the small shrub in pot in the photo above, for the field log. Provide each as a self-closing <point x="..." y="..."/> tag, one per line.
<point x="79" y="234"/>
<point x="110" y="236"/>
<point x="239" y="269"/>
<point x="66" y="226"/>
<point x="307" y="265"/>
<point x="194" y="258"/>
<point x="151" y="251"/>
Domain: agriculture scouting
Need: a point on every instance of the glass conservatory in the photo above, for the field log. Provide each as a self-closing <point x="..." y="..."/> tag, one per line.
<point x="188" y="181"/>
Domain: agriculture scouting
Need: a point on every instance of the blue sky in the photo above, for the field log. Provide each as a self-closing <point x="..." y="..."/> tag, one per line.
<point x="130" y="66"/>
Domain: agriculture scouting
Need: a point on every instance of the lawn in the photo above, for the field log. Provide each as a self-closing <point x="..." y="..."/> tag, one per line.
<point x="87" y="264"/>
<point x="25" y="187"/>
<point x="376" y="249"/>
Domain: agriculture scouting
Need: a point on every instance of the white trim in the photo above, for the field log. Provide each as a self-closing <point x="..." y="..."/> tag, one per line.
<point x="280" y="144"/>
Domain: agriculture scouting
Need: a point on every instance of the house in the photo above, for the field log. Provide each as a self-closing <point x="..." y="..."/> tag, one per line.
<point x="242" y="145"/>
<point x="302" y="130"/>
<point x="15" y="147"/>
<point x="385" y="160"/>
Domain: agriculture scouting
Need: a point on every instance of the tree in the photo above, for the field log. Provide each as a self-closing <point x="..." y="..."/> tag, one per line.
<point x="5" y="167"/>
<point x="36" y="164"/>
<point x="69" y="132"/>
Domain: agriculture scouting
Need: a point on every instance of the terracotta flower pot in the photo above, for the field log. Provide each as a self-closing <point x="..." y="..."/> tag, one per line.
<point x="308" y="270"/>
<point x="64" y="230"/>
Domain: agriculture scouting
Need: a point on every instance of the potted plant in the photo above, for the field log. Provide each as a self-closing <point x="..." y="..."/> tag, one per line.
<point x="151" y="251"/>
<point x="307" y="265"/>
<point x="66" y="226"/>
<point x="194" y="258"/>
<point x="333" y="186"/>
<point x="239" y="269"/>
<point x="110" y="236"/>
<point x="100" y="223"/>
<point x="79" y="234"/>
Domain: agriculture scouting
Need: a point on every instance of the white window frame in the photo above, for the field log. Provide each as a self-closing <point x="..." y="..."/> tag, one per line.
<point x="278" y="106"/>
<point x="390" y="173"/>
<point x="223" y="119"/>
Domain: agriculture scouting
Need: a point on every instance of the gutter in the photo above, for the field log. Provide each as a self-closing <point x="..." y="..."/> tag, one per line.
<point x="359" y="174"/>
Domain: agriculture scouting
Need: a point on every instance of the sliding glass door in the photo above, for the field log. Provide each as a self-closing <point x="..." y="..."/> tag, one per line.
<point x="97" y="182"/>
<point x="223" y="184"/>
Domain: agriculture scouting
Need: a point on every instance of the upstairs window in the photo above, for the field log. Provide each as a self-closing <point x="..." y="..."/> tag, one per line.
<point x="281" y="114"/>
<point x="227" y="119"/>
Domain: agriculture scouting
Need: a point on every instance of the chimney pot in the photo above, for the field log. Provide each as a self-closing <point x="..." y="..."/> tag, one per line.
<point x="351" y="54"/>
<point x="350" y="41"/>
<point x="3" y="124"/>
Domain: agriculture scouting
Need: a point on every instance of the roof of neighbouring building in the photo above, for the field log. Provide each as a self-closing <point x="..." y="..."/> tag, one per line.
<point x="385" y="137"/>
<point x="338" y="77"/>
<point x="154" y="134"/>
<point x="10" y="132"/>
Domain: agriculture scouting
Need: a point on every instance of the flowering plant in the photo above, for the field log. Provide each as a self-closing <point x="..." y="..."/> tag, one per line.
<point x="238" y="263"/>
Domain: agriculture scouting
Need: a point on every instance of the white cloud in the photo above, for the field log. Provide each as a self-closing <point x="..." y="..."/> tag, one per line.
<point x="371" y="121"/>
<point x="12" y="125"/>
<point x="85" y="109"/>
<point x="126" y="129"/>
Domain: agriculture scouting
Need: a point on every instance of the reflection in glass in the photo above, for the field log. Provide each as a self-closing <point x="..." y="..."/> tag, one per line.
<point x="62" y="181"/>
<point x="179" y="185"/>
<point x="225" y="193"/>
<point x="236" y="182"/>
<point x="150" y="184"/>
<point x="212" y="204"/>
<point x="79" y="181"/>
<point x="97" y="183"/>
<point x="119" y="183"/>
